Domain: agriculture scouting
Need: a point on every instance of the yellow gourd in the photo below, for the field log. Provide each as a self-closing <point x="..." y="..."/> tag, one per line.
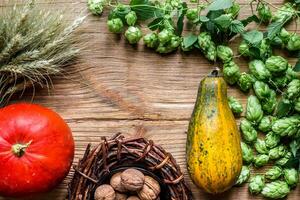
<point x="214" y="157"/>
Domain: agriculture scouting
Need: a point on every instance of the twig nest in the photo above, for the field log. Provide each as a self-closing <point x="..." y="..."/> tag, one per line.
<point x="150" y="190"/>
<point x="115" y="182"/>
<point x="133" y="198"/>
<point x="105" y="192"/>
<point x="132" y="180"/>
<point x="120" y="196"/>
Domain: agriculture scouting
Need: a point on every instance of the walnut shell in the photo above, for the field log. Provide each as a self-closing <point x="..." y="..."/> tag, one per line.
<point x="120" y="196"/>
<point x="132" y="179"/>
<point x="115" y="182"/>
<point x="150" y="190"/>
<point x="105" y="192"/>
<point x="133" y="198"/>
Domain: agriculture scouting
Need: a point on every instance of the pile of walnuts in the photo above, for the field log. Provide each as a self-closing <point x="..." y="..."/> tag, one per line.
<point x="130" y="184"/>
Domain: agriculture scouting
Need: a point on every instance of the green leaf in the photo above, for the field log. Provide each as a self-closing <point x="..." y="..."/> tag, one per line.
<point x="203" y="19"/>
<point x="250" y="19"/>
<point x="297" y="66"/>
<point x="253" y="37"/>
<point x="155" y="24"/>
<point x="145" y="10"/>
<point x="237" y="27"/>
<point x="220" y="5"/>
<point x="189" y="40"/>
<point x="283" y="108"/>
<point x="274" y="29"/>
<point x="180" y="20"/>
<point x="224" y="21"/>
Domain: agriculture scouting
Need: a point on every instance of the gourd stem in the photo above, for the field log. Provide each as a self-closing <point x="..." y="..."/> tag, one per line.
<point x="214" y="73"/>
<point x="20" y="149"/>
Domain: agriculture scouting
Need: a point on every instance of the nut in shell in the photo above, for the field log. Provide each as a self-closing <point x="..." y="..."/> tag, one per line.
<point x="133" y="198"/>
<point x="105" y="192"/>
<point x="150" y="190"/>
<point x="132" y="179"/>
<point x="115" y="182"/>
<point x="120" y="196"/>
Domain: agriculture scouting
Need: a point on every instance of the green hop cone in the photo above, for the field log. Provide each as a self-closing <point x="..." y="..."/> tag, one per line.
<point x="264" y="12"/>
<point x="246" y="81"/>
<point x="285" y="13"/>
<point x="133" y="34"/>
<point x="294" y="43"/>
<point x="244" y="49"/>
<point x="192" y="14"/>
<point x="293" y="89"/>
<point x="204" y="41"/>
<point x="256" y="184"/>
<point x="279" y="81"/>
<point x="266" y="123"/>
<point x="291" y="177"/>
<point x="164" y="49"/>
<point x="284" y="35"/>
<point x="233" y="10"/>
<point x="262" y="90"/>
<point x="287" y="126"/>
<point x="275" y="190"/>
<point x="151" y="40"/>
<point x="277" y="152"/>
<point x="248" y="132"/>
<point x="254" y="112"/>
<point x="231" y="72"/>
<point x="131" y="18"/>
<point x="165" y="36"/>
<point x="175" y="42"/>
<point x="276" y="64"/>
<point x="96" y="6"/>
<point x="269" y="105"/>
<point x="248" y="155"/>
<point x="115" y="25"/>
<point x="224" y="53"/>
<point x="244" y="176"/>
<point x="211" y="53"/>
<point x="235" y="105"/>
<point x="261" y="160"/>
<point x="259" y="70"/>
<point x="260" y="146"/>
<point x="297" y="105"/>
<point x="277" y="41"/>
<point x="274" y="173"/>
<point x="291" y="74"/>
<point x="265" y="49"/>
<point x="283" y="161"/>
<point x="272" y="140"/>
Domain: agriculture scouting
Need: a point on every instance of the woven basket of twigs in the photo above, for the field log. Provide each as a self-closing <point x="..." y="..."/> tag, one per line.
<point x="99" y="164"/>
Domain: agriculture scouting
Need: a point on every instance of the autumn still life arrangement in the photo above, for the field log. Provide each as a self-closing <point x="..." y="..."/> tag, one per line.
<point x="36" y="43"/>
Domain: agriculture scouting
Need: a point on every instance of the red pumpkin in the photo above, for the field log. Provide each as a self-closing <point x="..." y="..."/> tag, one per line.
<point x="36" y="150"/>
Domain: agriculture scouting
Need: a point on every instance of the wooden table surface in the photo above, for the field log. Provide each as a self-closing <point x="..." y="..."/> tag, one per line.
<point x="120" y="88"/>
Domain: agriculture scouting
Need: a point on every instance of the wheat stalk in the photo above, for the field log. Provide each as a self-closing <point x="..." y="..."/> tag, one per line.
<point x="35" y="44"/>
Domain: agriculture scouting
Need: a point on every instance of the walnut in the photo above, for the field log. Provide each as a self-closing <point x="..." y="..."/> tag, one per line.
<point x="133" y="198"/>
<point x="150" y="190"/>
<point x="105" y="192"/>
<point x="132" y="180"/>
<point x="115" y="182"/>
<point x="120" y="196"/>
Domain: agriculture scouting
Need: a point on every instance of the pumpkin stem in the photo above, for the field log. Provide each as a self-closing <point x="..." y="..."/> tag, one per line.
<point x="20" y="149"/>
<point x="214" y="73"/>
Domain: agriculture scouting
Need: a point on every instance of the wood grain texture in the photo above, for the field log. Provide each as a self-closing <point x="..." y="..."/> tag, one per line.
<point x="118" y="87"/>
